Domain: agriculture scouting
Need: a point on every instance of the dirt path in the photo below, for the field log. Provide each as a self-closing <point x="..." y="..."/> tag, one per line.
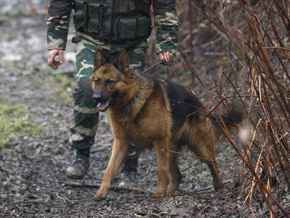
<point x="33" y="182"/>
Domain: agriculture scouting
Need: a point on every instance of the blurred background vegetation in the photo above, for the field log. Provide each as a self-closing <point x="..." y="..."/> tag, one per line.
<point x="239" y="50"/>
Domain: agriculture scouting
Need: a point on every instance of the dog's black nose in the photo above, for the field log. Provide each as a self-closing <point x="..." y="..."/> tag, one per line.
<point x="97" y="98"/>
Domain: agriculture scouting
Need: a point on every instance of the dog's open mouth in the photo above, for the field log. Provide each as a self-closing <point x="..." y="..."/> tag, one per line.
<point x="103" y="105"/>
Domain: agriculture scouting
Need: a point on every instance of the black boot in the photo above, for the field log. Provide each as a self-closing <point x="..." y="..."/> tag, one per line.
<point x="80" y="164"/>
<point x="129" y="170"/>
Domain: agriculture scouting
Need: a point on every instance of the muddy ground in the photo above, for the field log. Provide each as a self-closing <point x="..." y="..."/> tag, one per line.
<point x="32" y="167"/>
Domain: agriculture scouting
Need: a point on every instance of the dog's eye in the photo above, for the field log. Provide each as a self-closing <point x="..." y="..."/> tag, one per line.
<point x="97" y="81"/>
<point x="110" y="82"/>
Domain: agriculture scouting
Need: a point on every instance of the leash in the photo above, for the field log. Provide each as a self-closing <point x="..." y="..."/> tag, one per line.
<point x="155" y="65"/>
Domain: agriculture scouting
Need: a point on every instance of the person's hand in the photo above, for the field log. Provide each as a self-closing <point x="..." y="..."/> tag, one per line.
<point x="52" y="54"/>
<point x="167" y="56"/>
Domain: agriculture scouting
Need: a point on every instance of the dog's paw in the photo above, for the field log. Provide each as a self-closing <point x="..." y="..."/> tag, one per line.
<point x="158" y="194"/>
<point x="101" y="194"/>
<point x="171" y="190"/>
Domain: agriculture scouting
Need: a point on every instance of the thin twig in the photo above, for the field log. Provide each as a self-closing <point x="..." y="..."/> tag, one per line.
<point x="113" y="187"/>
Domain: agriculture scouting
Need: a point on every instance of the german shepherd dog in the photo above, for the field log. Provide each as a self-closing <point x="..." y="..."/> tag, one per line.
<point x="151" y="112"/>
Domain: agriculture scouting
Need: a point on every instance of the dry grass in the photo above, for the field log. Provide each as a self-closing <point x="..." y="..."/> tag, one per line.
<point x="242" y="47"/>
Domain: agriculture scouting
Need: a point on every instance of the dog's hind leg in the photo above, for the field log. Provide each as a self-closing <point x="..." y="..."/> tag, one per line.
<point x="207" y="156"/>
<point x="162" y="166"/>
<point x="217" y="181"/>
<point x="203" y="145"/>
<point x="175" y="174"/>
<point x="118" y="154"/>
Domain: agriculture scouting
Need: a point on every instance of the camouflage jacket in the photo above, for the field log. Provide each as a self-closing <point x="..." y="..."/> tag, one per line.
<point x="166" y="23"/>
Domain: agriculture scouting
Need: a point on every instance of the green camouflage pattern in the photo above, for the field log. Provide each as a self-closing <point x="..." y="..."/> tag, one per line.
<point x="167" y="30"/>
<point x="166" y="23"/>
<point x="58" y="23"/>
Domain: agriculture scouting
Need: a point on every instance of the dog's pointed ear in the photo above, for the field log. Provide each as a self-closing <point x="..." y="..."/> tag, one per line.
<point x="99" y="59"/>
<point x="122" y="61"/>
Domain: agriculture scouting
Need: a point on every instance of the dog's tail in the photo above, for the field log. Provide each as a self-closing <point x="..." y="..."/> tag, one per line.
<point x="235" y="118"/>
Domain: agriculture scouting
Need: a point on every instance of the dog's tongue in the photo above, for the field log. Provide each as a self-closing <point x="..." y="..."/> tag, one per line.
<point x="103" y="105"/>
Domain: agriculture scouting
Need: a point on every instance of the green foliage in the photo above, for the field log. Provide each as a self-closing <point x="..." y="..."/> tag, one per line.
<point x="13" y="120"/>
<point x="201" y="167"/>
<point x="63" y="85"/>
<point x="17" y="65"/>
<point x="231" y="152"/>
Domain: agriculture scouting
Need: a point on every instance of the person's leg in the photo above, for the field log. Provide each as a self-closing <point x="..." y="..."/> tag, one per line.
<point x="82" y="133"/>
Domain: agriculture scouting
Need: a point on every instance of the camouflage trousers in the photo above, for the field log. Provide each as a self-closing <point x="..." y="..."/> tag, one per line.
<point x="82" y="133"/>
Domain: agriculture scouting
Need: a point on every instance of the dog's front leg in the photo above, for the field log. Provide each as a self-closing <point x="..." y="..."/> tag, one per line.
<point x="119" y="151"/>
<point x="162" y="166"/>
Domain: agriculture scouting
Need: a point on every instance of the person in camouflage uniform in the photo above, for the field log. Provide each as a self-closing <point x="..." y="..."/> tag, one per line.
<point x="108" y="25"/>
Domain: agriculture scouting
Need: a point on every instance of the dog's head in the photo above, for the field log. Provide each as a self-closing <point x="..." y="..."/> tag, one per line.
<point x="110" y="82"/>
